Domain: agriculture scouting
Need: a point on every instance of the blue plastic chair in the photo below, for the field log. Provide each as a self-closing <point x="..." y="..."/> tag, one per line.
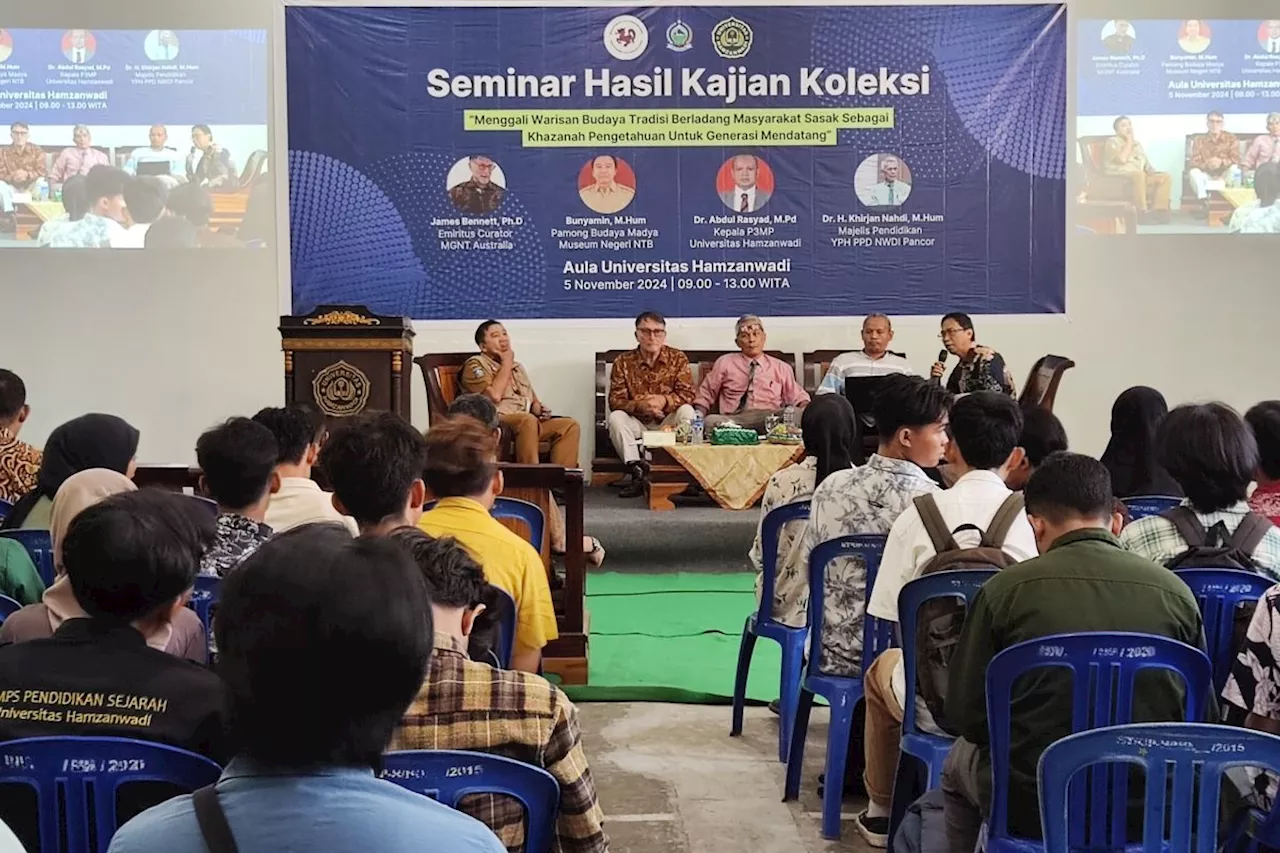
<point x="529" y="513"/>
<point x="448" y="775"/>
<point x="1104" y="666"/>
<point x="39" y="546"/>
<point x="204" y="597"/>
<point x="762" y="624"/>
<point x="8" y="607"/>
<point x="5" y="509"/>
<point x="84" y="773"/>
<point x="843" y="693"/>
<point x="1184" y="764"/>
<point x="506" y="630"/>
<point x="1219" y="592"/>
<point x="1144" y="505"/>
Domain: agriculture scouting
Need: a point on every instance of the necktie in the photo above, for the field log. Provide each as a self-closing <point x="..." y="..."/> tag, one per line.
<point x="745" y="207"/>
<point x="1272" y="46"/>
<point x="79" y="55"/>
<point x="751" y="378"/>
<point x="890" y="193"/>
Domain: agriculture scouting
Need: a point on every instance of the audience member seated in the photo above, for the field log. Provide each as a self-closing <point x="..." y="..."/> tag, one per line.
<point x="1266" y="147"/>
<point x="980" y="368"/>
<point x="649" y="388"/>
<point x="1109" y="589"/>
<point x="75" y="204"/>
<point x="983" y="449"/>
<point x="467" y="705"/>
<point x="130" y="560"/>
<point x="193" y="203"/>
<point x="183" y="637"/>
<point x="299" y="431"/>
<point x="1263" y="215"/>
<point x="89" y="441"/>
<point x="746" y="387"/>
<point x="19" y="578"/>
<point x="496" y="374"/>
<point x="1264" y="421"/>
<point x="830" y="439"/>
<point x="1209" y="450"/>
<point x="144" y="201"/>
<point x="238" y="470"/>
<point x="104" y="221"/>
<point x="874" y="359"/>
<point x="1123" y="156"/>
<point x="171" y="232"/>
<point x="323" y="641"/>
<point x="19" y="461"/>
<point x="1042" y="434"/>
<point x="374" y="462"/>
<point x="462" y="473"/>
<point x="482" y="409"/>
<point x="1130" y="457"/>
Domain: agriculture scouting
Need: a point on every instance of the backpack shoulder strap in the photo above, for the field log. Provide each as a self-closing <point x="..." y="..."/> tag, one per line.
<point x="1003" y="521"/>
<point x="1249" y="534"/>
<point x="213" y="821"/>
<point x="1188" y="526"/>
<point x="934" y="524"/>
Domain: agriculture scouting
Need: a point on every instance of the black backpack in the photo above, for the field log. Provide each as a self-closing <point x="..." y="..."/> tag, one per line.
<point x="1215" y="548"/>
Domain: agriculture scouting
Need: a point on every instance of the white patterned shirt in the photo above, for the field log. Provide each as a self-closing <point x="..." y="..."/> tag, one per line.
<point x="90" y="232"/>
<point x="858" y="363"/>
<point x="1254" y="683"/>
<point x="862" y="500"/>
<point x="793" y="484"/>
<point x="1256" y="219"/>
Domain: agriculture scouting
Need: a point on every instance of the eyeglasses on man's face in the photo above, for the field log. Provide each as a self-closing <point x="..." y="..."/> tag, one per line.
<point x="947" y="333"/>
<point x="650" y="332"/>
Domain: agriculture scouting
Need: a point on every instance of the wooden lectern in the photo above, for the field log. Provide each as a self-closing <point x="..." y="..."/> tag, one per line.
<point x="344" y="359"/>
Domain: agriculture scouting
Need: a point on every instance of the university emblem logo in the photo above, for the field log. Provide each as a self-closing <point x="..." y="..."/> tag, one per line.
<point x="732" y="38"/>
<point x="626" y="37"/>
<point x="341" y="390"/>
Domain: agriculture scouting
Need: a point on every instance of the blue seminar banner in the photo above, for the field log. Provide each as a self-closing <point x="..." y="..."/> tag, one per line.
<point x="133" y="77"/>
<point x="459" y="163"/>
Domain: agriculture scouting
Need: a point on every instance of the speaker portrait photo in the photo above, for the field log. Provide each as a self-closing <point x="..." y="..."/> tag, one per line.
<point x="745" y="183"/>
<point x="161" y="45"/>
<point x="1194" y="36"/>
<point x="1268" y="36"/>
<point x="606" y="184"/>
<point x="882" y="180"/>
<point x="79" y="46"/>
<point x="6" y="44"/>
<point x="476" y="184"/>
<point x="1118" y="37"/>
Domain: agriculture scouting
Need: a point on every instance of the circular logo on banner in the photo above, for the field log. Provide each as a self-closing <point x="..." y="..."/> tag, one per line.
<point x="679" y="36"/>
<point x="732" y="38"/>
<point x="626" y="37"/>
<point x="341" y="390"/>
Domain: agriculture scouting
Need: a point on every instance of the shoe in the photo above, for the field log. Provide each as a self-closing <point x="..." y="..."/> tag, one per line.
<point x="874" y="830"/>
<point x="634" y="489"/>
<point x="775" y="707"/>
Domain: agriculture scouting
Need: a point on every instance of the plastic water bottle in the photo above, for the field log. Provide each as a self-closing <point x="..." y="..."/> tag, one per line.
<point x="789" y="417"/>
<point x="696" y="437"/>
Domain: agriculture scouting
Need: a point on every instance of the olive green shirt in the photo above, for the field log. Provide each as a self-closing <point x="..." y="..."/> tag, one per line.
<point x="1084" y="582"/>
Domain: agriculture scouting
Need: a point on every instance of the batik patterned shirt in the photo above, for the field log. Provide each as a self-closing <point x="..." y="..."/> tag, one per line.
<point x="28" y="158"/>
<point x="1254" y="683"/>
<point x="236" y="538"/>
<point x="1265" y="501"/>
<point x="861" y="500"/>
<point x="631" y="379"/>
<point x="19" y="466"/>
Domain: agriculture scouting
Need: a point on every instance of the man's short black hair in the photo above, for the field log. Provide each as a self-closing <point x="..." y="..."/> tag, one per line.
<point x="372" y="460"/>
<point x="1115" y="125"/>
<point x="135" y="552"/>
<point x="908" y="401"/>
<point x="985" y="426"/>
<point x="1266" y="183"/>
<point x="75" y="197"/>
<point x="192" y="202"/>
<point x="610" y="156"/>
<point x="1069" y="484"/>
<point x="1263" y="419"/>
<point x="294" y="430"/>
<point x="453" y="578"/>
<point x="962" y="319"/>
<point x="13" y="395"/>
<point x="145" y="198"/>
<point x="322" y="642"/>
<point x="651" y="316"/>
<point x="105" y="182"/>
<point x="1215" y="114"/>
<point x="203" y="128"/>
<point x="1210" y="451"/>
<point x="1042" y="434"/>
<point x="477" y="406"/>
<point x="483" y="328"/>
<point x="237" y="458"/>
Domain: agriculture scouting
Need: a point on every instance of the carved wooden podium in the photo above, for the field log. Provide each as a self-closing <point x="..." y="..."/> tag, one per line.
<point x="343" y="359"/>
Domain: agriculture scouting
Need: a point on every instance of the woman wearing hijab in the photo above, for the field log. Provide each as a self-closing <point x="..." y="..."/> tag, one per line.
<point x="183" y="637"/>
<point x="89" y="441"/>
<point x="830" y="439"/>
<point x="1131" y="455"/>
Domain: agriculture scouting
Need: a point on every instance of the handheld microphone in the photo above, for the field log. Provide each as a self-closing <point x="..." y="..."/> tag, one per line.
<point x="942" y="357"/>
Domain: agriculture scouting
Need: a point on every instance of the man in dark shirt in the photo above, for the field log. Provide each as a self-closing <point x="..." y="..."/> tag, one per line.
<point x="1106" y="588"/>
<point x="238" y="459"/>
<point x="479" y="194"/>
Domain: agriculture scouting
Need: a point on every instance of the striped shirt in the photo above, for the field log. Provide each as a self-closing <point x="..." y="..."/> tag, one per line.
<point x="468" y="705"/>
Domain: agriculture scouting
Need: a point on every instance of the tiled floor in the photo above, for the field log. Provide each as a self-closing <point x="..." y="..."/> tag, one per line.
<point x="671" y="780"/>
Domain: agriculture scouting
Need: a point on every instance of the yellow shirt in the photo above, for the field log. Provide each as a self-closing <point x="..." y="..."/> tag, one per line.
<point x="509" y="562"/>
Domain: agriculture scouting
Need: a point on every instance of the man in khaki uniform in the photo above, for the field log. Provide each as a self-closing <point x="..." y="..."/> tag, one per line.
<point x="496" y="374"/>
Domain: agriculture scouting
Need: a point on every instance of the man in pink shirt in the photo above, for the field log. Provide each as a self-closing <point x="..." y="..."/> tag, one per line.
<point x="79" y="159"/>
<point x="748" y="386"/>
<point x="1265" y="148"/>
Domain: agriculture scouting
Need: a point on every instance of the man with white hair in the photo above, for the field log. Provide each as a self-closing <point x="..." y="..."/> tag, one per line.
<point x="891" y="190"/>
<point x="874" y="359"/>
<point x="748" y="386"/>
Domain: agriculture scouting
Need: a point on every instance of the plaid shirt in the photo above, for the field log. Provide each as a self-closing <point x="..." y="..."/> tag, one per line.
<point x="1158" y="540"/>
<point x="469" y="705"/>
